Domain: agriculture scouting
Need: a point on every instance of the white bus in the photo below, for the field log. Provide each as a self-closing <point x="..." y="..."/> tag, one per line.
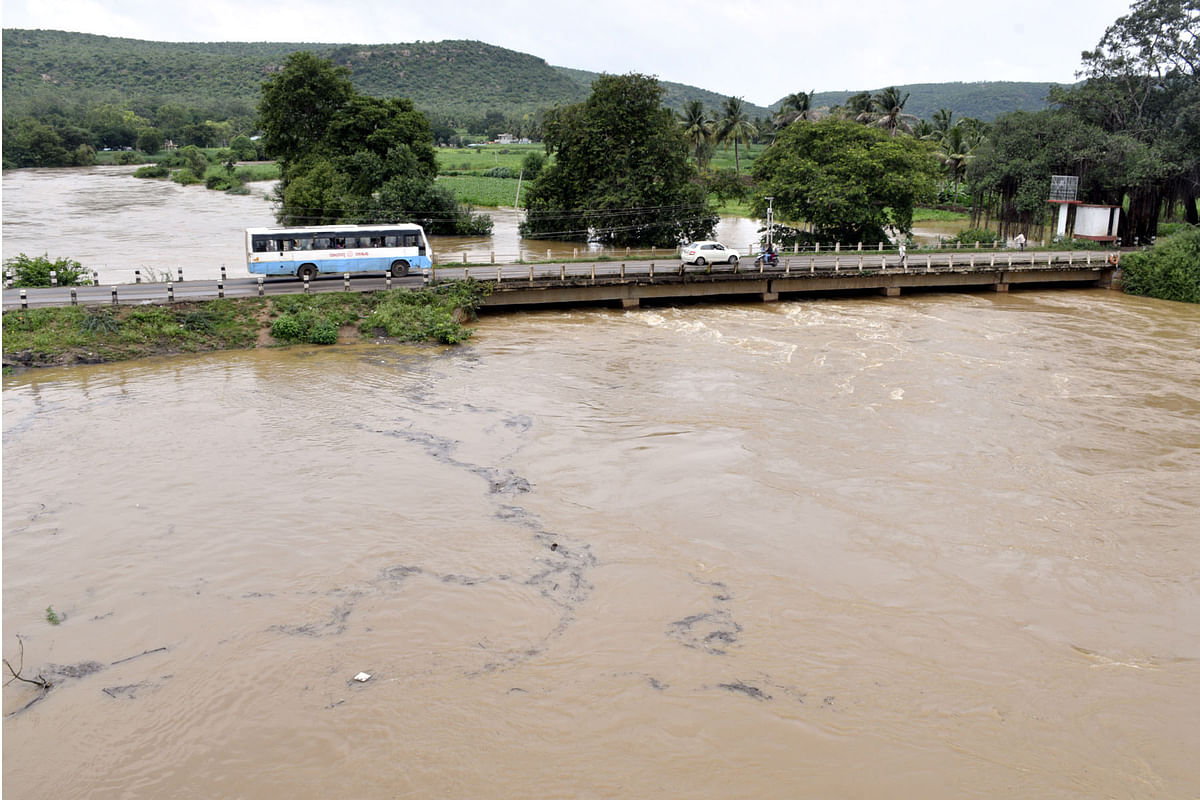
<point x="399" y="248"/>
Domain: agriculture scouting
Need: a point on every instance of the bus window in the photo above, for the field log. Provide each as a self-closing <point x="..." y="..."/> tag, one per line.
<point x="410" y="240"/>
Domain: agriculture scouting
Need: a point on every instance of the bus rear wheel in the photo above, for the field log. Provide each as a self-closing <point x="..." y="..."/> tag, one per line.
<point x="399" y="269"/>
<point x="307" y="272"/>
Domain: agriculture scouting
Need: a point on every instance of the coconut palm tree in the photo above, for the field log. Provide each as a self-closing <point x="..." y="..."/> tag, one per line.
<point x="943" y="121"/>
<point x="795" y="106"/>
<point x="697" y="128"/>
<point x="734" y="125"/>
<point x="887" y="112"/>
<point x="957" y="148"/>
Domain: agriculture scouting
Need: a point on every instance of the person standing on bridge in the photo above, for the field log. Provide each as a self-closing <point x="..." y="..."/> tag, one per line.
<point x="1020" y="241"/>
<point x="903" y="256"/>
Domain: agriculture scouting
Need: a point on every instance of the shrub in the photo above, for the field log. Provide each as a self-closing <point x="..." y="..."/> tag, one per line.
<point x="221" y="183"/>
<point x="287" y="328"/>
<point x="152" y="171"/>
<point x="101" y="321"/>
<point x="1168" y="271"/>
<point x="977" y="235"/>
<point x="30" y="272"/>
<point x="185" y="177"/>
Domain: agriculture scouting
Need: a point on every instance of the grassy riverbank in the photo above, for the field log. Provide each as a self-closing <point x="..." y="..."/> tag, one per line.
<point x="82" y="335"/>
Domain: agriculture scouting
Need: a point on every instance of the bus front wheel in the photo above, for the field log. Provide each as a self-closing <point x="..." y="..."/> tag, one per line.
<point x="399" y="269"/>
<point x="307" y="272"/>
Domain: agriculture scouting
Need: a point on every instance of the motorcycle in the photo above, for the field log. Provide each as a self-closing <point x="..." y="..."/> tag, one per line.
<point x="770" y="257"/>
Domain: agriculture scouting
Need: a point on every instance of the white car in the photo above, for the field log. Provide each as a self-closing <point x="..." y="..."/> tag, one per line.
<point x="707" y="252"/>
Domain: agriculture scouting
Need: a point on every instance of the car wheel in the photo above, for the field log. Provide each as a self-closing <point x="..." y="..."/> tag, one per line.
<point x="700" y="262"/>
<point x="399" y="269"/>
<point x="307" y="272"/>
<point x="733" y="259"/>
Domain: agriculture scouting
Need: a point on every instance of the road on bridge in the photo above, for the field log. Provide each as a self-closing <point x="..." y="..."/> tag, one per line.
<point x="848" y="262"/>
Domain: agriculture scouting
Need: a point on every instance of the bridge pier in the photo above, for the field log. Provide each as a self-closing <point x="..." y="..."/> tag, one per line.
<point x="1001" y="287"/>
<point x="630" y="302"/>
<point x="890" y="291"/>
<point x="770" y="297"/>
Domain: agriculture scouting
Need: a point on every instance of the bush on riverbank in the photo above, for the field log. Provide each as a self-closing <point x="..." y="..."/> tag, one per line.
<point x="28" y="271"/>
<point x="78" y="334"/>
<point x="48" y="336"/>
<point x="1168" y="271"/>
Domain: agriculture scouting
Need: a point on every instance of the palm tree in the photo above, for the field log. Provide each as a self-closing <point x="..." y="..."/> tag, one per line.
<point x="795" y="106"/>
<point x="887" y="112"/>
<point x="956" y="149"/>
<point x="943" y="121"/>
<point x="734" y="125"/>
<point x="697" y="129"/>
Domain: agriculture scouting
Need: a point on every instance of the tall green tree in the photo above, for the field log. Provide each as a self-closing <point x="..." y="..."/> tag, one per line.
<point x="887" y="112"/>
<point x="1010" y="173"/>
<point x="734" y="125"/>
<point x="697" y="129"/>
<point x="299" y="103"/>
<point x="797" y="105"/>
<point x="848" y="181"/>
<point x="347" y="157"/>
<point x="1143" y="85"/>
<point x="620" y="173"/>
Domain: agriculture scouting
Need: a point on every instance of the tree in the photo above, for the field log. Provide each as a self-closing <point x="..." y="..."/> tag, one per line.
<point x="244" y="148"/>
<point x="1143" y="82"/>
<point x="1010" y="172"/>
<point x="150" y="141"/>
<point x="532" y="165"/>
<point x="697" y="129"/>
<point x="299" y="103"/>
<point x="620" y="174"/>
<point x="943" y="121"/>
<point x="887" y="112"/>
<point x="956" y="147"/>
<point x="848" y="181"/>
<point x="734" y="125"/>
<point x="795" y="106"/>
<point x="347" y="157"/>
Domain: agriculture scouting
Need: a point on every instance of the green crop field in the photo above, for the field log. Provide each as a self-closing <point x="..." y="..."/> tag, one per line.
<point x="479" y="160"/>
<point x="480" y="191"/>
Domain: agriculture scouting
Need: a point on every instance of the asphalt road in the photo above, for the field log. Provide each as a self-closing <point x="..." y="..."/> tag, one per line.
<point x="848" y="261"/>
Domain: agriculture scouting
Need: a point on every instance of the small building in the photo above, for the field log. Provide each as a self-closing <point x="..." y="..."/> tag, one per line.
<point x="1078" y="220"/>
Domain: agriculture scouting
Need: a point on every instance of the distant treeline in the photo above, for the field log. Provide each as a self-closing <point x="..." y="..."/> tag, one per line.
<point x="87" y="91"/>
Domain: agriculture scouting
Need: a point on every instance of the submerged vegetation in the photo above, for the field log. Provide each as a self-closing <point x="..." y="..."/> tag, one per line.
<point x="78" y="334"/>
<point x="1168" y="271"/>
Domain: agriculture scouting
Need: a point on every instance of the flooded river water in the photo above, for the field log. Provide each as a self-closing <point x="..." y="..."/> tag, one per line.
<point x="935" y="546"/>
<point x="118" y="225"/>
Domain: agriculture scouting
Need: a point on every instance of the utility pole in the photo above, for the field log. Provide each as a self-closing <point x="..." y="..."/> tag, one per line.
<point x="770" y="220"/>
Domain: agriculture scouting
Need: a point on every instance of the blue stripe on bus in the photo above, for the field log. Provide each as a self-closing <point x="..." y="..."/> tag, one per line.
<point x="338" y="266"/>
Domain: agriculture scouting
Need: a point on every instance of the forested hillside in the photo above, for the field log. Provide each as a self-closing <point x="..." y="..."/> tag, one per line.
<point x="984" y="100"/>
<point x="447" y="77"/>
<point x="453" y="78"/>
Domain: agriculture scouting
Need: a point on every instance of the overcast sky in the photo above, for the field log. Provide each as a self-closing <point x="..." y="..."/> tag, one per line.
<point x="759" y="50"/>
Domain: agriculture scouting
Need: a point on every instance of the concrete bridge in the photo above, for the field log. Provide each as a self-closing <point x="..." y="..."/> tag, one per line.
<point x="630" y="283"/>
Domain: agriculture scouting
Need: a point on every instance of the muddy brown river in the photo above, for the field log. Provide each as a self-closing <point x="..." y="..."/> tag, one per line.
<point x="934" y="546"/>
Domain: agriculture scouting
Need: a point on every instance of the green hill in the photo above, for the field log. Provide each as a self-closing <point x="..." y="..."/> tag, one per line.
<point x="449" y="77"/>
<point x="984" y="100"/>
<point x="43" y="69"/>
